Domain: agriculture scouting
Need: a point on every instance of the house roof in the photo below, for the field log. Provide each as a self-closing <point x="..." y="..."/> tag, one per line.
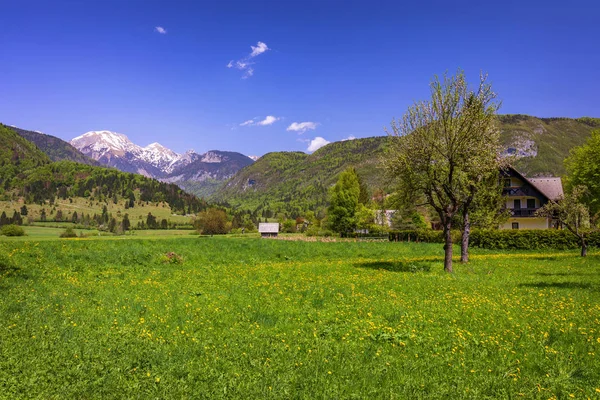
<point x="550" y="187"/>
<point x="265" y="227"/>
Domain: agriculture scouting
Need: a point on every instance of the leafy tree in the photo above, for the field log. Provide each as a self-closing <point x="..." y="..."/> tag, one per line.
<point x="573" y="214"/>
<point x="583" y="168"/>
<point x="444" y="148"/>
<point x="211" y="222"/>
<point x="343" y="202"/>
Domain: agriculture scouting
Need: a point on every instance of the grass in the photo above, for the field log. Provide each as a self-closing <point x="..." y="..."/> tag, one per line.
<point x="82" y="205"/>
<point x="37" y="232"/>
<point x="205" y="317"/>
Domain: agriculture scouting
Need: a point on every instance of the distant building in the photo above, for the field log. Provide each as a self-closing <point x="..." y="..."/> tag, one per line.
<point x="268" y="229"/>
<point x="384" y="217"/>
<point x="524" y="196"/>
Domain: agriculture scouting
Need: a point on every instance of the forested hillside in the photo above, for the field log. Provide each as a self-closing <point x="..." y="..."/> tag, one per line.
<point x="543" y="143"/>
<point x="17" y="156"/>
<point x="56" y="149"/>
<point x="293" y="182"/>
<point x="26" y="172"/>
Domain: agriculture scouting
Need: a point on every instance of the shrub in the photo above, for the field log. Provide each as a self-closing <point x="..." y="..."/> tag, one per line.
<point x="420" y="235"/>
<point x="12" y="230"/>
<point x="529" y="239"/>
<point x="68" y="233"/>
<point x="534" y="239"/>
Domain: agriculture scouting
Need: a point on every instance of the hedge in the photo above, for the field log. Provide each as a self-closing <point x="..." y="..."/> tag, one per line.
<point x="537" y="239"/>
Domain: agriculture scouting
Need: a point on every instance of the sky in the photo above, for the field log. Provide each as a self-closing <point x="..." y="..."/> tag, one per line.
<point x="262" y="76"/>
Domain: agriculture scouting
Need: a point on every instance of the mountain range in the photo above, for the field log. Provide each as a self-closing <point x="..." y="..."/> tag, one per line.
<point x="287" y="181"/>
<point x="199" y="172"/>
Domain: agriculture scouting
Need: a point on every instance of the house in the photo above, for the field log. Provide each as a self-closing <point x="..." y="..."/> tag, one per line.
<point x="524" y="196"/>
<point x="268" y="229"/>
<point x="384" y="217"/>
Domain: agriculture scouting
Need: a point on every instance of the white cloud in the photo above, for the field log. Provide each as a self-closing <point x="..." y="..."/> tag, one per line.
<point x="160" y="30"/>
<point x="302" y="127"/>
<point x="249" y="72"/>
<point x="259" y="49"/>
<point x="351" y="137"/>
<point x="316" y="144"/>
<point x="244" y="64"/>
<point x="269" y="120"/>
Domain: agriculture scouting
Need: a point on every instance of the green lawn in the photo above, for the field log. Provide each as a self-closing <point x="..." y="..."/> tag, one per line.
<point x="36" y="232"/>
<point x="202" y="317"/>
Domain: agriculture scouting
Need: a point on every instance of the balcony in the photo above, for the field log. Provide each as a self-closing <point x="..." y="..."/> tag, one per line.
<point x="523" y="212"/>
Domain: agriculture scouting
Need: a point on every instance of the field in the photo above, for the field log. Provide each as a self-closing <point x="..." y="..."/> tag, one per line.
<point x="85" y="206"/>
<point x="201" y="317"/>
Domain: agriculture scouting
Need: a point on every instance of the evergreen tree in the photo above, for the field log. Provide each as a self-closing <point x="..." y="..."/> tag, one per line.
<point x="4" y="219"/>
<point x="125" y="224"/>
<point x="24" y="210"/>
<point x="16" y="218"/>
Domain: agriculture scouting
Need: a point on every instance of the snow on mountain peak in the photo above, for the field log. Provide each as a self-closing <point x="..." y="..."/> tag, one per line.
<point x="99" y="143"/>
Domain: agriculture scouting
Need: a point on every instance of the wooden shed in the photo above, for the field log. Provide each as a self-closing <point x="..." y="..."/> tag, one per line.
<point x="270" y="229"/>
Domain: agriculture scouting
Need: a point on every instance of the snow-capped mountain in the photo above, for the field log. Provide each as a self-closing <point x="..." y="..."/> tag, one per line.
<point x="116" y="150"/>
<point x="160" y="156"/>
<point x="157" y="161"/>
<point x="98" y="144"/>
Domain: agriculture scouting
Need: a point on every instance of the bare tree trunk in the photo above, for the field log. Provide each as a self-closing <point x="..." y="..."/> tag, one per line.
<point x="464" y="244"/>
<point x="583" y="248"/>
<point x="448" y="245"/>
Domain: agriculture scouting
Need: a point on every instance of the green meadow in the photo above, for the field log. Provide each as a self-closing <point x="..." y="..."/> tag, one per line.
<point x="221" y="317"/>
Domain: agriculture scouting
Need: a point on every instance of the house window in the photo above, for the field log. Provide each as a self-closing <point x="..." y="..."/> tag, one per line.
<point x="530" y="203"/>
<point x="517" y="204"/>
<point x="515" y="225"/>
<point x="507" y="182"/>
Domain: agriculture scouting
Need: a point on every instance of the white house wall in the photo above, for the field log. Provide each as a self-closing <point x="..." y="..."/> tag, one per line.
<point x="527" y="223"/>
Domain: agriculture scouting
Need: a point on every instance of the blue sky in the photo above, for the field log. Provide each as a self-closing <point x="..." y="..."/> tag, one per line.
<point x="343" y="68"/>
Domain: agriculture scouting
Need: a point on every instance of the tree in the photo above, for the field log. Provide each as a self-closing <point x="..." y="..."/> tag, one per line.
<point x="444" y="148"/>
<point x="211" y="222"/>
<point x="151" y="221"/>
<point x="125" y="224"/>
<point x="571" y="212"/>
<point x="16" y="218"/>
<point x="343" y="202"/>
<point x="24" y="210"/>
<point x="583" y="168"/>
<point x="4" y="219"/>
